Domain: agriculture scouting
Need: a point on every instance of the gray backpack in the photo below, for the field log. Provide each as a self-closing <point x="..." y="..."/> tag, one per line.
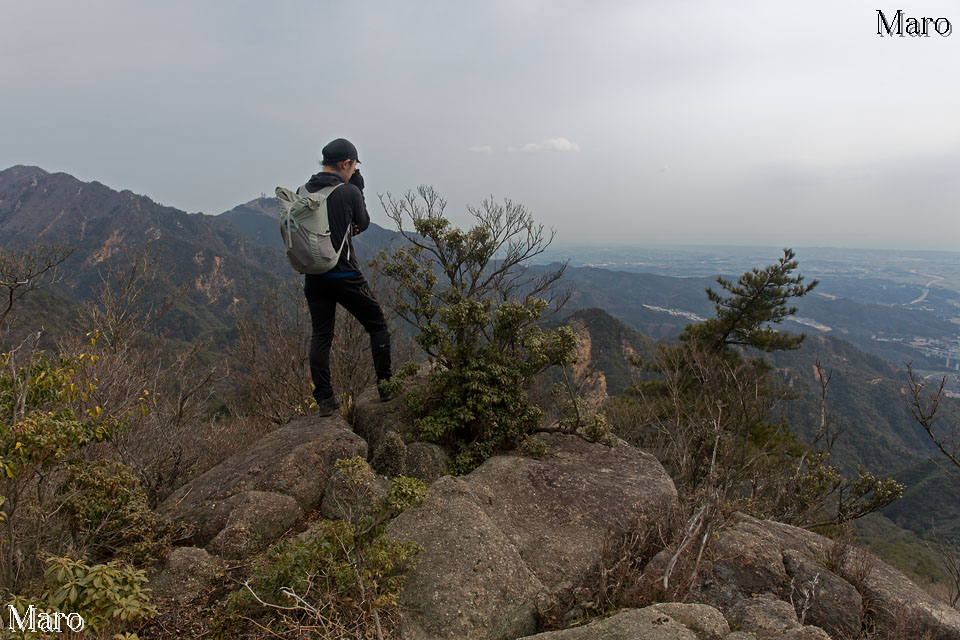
<point x="305" y="227"/>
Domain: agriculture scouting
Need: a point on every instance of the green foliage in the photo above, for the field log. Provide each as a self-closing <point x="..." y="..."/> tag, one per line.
<point x="533" y="448"/>
<point x="104" y="594"/>
<point x="757" y="299"/>
<point x="42" y="425"/>
<point x="355" y="470"/>
<point x="340" y="577"/>
<point x="109" y="513"/>
<point x="108" y="597"/>
<point x="405" y="493"/>
<point x="390" y="458"/>
<point x="477" y="317"/>
<point x="47" y="419"/>
<point x="710" y="415"/>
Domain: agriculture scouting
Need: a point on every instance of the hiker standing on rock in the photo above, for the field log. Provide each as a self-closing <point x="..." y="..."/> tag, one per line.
<point x="343" y="284"/>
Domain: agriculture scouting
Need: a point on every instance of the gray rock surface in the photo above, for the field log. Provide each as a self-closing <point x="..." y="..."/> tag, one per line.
<point x="747" y="560"/>
<point x="293" y="461"/>
<point x="469" y="582"/>
<point x="633" y="624"/>
<point x="896" y="599"/>
<point x="558" y="510"/>
<point x="426" y="461"/>
<point x="374" y="419"/>
<point x="805" y="633"/>
<point x="703" y="620"/>
<point x="256" y="519"/>
<point x="823" y="598"/>
<point x="754" y="557"/>
<point x="764" y="615"/>
<point x="186" y="573"/>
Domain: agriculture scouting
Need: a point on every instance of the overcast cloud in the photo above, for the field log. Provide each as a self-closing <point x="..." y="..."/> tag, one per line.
<point x="775" y="123"/>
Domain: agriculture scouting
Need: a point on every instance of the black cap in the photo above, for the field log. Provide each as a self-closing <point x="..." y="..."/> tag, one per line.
<point x="339" y="150"/>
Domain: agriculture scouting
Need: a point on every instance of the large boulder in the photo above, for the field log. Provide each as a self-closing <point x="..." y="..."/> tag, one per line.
<point x="426" y="461"/>
<point x="898" y="603"/>
<point x="823" y="598"/>
<point x="292" y="464"/>
<point x="187" y="573"/>
<point x="256" y="519"/>
<point x="558" y="510"/>
<point x="374" y="419"/>
<point x="705" y="621"/>
<point x="469" y="582"/>
<point x="761" y="557"/>
<point x="764" y="615"/>
<point x="633" y="624"/>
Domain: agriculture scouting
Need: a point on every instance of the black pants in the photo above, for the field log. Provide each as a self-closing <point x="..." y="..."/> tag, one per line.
<point x="353" y="294"/>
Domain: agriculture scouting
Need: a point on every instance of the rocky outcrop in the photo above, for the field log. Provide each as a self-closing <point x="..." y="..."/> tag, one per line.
<point x="373" y="419"/>
<point x="785" y="564"/>
<point x="558" y="510"/>
<point x="426" y="461"/>
<point x="256" y="519"/>
<point x="675" y="621"/>
<point x="469" y="582"/>
<point x="703" y="620"/>
<point x="518" y="532"/>
<point x="519" y="535"/>
<point x="635" y="624"/>
<point x="895" y="601"/>
<point x="187" y="573"/>
<point x="764" y="615"/>
<point x="251" y="498"/>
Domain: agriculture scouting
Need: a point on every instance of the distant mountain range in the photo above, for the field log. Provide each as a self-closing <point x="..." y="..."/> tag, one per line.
<point x="220" y="265"/>
<point x="226" y="262"/>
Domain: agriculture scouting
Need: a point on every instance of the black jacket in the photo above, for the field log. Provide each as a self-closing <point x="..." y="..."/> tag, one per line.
<point x="345" y="206"/>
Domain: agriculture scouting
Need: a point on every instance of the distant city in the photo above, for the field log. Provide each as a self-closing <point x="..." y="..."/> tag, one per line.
<point x="919" y="291"/>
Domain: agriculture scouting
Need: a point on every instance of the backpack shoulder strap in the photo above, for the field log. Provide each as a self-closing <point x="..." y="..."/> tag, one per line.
<point x="324" y="193"/>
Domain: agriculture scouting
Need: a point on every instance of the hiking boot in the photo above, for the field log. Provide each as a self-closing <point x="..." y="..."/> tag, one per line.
<point x="328" y="406"/>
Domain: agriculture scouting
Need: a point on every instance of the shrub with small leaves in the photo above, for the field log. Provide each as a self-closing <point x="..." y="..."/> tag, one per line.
<point x="109" y="513"/>
<point x="533" y="448"/>
<point x="477" y="312"/>
<point x="390" y="458"/>
<point x="48" y="417"/>
<point x="340" y="578"/>
<point x="108" y="597"/>
<point x="405" y="493"/>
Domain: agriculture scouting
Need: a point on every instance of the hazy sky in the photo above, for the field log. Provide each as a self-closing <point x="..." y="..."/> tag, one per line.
<point x="648" y="122"/>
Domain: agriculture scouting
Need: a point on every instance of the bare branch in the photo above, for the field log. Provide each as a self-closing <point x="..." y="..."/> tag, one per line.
<point x="25" y="271"/>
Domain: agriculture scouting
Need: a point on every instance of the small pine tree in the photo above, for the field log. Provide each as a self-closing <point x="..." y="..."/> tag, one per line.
<point x="710" y="417"/>
<point x="758" y="299"/>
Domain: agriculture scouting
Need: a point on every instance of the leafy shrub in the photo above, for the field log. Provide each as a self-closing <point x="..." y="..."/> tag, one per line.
<point x="390" y="458"/>
<point x="476" y="311"/>
<point x="109" y="514"/>
<point x="45" y="422"/>
<point x="710" y="414"/>
<point x="340" y="578"/>
<point x="108" y="597"/>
